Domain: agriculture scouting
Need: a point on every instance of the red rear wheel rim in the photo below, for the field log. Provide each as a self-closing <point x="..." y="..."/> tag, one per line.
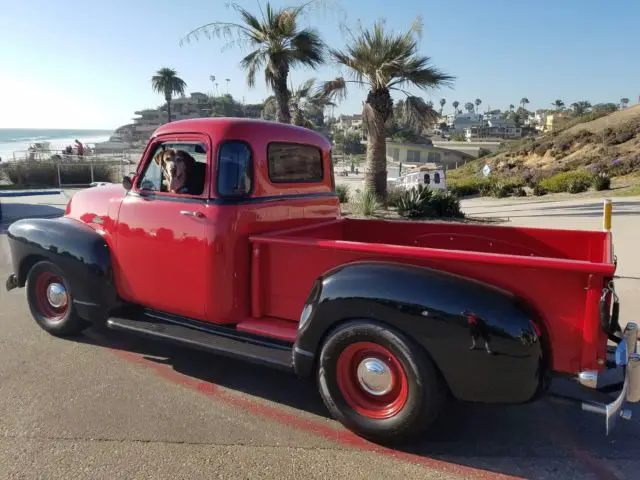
<point x="386" y="402"/>
<point x="49" y="311"/>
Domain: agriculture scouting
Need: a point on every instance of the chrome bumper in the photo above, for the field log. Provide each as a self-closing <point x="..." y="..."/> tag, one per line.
<point x="626" y="357"/>
<point x="12" y="282"/>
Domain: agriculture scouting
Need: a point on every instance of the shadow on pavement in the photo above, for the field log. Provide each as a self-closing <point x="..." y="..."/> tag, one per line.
<point x="473" y="435"/>
<point x="16" y="211"/>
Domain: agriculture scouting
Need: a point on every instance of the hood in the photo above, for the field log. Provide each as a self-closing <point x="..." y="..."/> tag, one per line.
<point x="99" y="201"/>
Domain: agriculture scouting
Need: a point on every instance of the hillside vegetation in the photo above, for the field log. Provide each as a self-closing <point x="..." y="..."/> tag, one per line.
<point x="593" y="151"/>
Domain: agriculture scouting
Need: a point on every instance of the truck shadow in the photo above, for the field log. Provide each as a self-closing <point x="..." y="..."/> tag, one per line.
<point x="474" y="435"/>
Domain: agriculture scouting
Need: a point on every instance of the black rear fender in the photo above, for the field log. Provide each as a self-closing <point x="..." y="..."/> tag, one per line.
<point x="486" y="346"/>
<point x="81" y="253"/>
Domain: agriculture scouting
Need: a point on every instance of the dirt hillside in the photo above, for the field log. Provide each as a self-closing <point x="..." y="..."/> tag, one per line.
<point x="612" y="138"/>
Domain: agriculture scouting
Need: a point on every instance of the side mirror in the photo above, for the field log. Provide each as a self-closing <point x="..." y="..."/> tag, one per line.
<point x="127" y="182"/>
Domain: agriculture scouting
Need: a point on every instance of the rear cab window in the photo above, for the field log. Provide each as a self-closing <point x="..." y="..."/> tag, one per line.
<point x="294" y="163"/>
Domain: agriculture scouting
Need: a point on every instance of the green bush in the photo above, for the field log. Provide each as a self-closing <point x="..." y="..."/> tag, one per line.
<point x="445" y="204"/>
<point x="343" y="193"/>
<point x="466" y="188"/>
<point x="394" y="193"/>
<point x="564" y="181"/>
<point x="365" y="203"/>
<point x="602" y="182"/>
<point x="578" y="185"/>
<point x="34" y="173"/>
<point x="414" y="203"/>
<point x="539" y="190"/>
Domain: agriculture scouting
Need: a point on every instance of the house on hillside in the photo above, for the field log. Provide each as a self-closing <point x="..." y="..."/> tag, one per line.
<point x="421" y="153"/>
<point x="495" y="127"/>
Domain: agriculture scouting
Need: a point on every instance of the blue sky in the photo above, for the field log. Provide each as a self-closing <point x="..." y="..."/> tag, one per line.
<point x="87" y="64"/>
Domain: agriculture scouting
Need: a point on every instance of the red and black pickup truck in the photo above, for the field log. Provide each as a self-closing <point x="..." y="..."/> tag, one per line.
<point x="391" y="318"/>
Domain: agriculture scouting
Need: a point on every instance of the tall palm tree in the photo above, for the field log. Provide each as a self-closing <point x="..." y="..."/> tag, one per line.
<point x="469" y="107"/>
<point x="278" y="44"/>
<point x="305" y="98"/>
<point x="559" y="104"/>
<point x="477" y="102"/>
<point x="383" y="62"/>
<point x="443" y="102"/>
<point x="167" y="82"/>
<point x="523" y="101"/>
<point x="455" y="104"/>
<point x="581" y="107"/>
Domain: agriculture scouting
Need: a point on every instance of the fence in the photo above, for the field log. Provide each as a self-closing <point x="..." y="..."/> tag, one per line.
<point x="68" y="171"/>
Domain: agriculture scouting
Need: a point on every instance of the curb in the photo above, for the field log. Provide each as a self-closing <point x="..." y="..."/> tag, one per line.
<point x="28" y="193"/>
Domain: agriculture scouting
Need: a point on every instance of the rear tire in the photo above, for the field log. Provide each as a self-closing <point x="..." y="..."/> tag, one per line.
<point x="50" y="301"/>
<point x="379" y="383"/>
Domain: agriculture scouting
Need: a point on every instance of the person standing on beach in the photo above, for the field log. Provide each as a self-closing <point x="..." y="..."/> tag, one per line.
<point x="79" y="148"/>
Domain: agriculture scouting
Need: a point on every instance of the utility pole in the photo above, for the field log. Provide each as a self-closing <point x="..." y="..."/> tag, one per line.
<point x="228" y="80"/>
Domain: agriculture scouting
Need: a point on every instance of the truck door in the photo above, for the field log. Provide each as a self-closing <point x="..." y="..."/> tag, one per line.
<point x="161" y="247"/>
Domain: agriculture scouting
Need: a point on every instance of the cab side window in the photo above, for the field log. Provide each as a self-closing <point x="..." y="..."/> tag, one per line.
<point x="151" y="178"/>
<point x="235" y="169"/>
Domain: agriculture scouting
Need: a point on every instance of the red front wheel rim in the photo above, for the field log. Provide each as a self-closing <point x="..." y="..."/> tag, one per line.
<point x="51" y="297"/>
<point x="372" y="380"/>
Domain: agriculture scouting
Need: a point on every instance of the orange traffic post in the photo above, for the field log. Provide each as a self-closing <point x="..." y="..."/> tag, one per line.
<point x="606" y="215"/>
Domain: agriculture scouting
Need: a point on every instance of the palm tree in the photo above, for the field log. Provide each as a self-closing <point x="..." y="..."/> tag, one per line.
<point x="624" y="101"/>
<point x="559" y="104"/>
<point x="469" y="107"/>
<point x="304" y="99"/>
<point x="167" y="82"/>
<point x="455" y="104"/>
<point x="383" y="62"/>
<point x="523" y="101"/>
<point x="443" y="102"/>
<point x="478" y="102"/>
<point x="278" y="44"/>
<point x="581" y="107"/>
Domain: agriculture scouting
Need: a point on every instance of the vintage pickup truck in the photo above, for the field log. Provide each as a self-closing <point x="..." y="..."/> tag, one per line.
<point x="391" y="318"/>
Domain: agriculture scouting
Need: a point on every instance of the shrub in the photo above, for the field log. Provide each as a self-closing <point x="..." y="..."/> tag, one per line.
<point x="539" y="190"/>
<point x="467" y="187"/>
<point x="578" y="185"/>
<point x="602" y="182"/>
<point x="34" y="173"/>
<point x="445" y="204"/>
<point x="365" y="203"/>
<point x="394" y="193"/>
<point x="562" y="182"/>
<point x="520" y="192"/>
<point x="414" y="203"/>
<point x="343" y="193"/>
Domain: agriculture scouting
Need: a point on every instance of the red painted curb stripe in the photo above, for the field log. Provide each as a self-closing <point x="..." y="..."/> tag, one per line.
<point x="343" y="437"/>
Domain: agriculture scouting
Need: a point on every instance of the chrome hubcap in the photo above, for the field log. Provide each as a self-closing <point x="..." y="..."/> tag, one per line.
<point x="375" y="376"/>
<point x="57" y="295"/>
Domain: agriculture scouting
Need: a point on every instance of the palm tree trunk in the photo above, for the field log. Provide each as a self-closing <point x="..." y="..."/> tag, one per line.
<point x="168" y="98"/>
<point x="378" y="110"/>
<point x="282" y="94"/>
<point x="298" y="118"/>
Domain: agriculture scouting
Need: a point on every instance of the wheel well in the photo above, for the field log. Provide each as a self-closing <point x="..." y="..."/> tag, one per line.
<point x="26" y="265"/>
<point x="381" y="323"/>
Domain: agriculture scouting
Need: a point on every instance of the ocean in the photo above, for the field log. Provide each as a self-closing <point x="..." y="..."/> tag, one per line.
<point x="19" y="139"/>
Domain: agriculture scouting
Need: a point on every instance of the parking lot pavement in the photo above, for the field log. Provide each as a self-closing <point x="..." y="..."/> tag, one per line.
<point x="106" y="405"/>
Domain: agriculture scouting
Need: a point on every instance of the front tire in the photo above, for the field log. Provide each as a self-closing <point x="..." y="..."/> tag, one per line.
<point x="50" y="301"/>
<point x="379" y="383"/>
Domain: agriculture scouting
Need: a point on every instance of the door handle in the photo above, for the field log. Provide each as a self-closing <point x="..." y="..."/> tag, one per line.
<point x="191" y="213"/>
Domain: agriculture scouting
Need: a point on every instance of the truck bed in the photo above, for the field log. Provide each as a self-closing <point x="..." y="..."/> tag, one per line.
<point x="560" y="273"/>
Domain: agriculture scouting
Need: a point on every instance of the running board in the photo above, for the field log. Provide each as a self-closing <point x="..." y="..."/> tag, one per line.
<point x="227" y="342"/>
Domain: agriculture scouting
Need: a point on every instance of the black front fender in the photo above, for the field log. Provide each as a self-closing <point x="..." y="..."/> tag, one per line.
<point x="77" y="249"/>
<point x="485" y="344"/>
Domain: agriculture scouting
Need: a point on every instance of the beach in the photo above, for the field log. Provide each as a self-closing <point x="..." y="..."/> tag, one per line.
<point x="17" y="141"/>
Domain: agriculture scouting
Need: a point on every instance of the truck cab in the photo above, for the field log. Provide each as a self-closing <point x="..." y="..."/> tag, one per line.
<point x="252" y="177"/>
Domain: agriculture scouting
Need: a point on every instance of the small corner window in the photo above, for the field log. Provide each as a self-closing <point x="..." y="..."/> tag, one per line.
<point x="235" y="169"/>
<point x="294" y="163"/>
<point x="436" y="177"/>
<point x="427" y="179"/>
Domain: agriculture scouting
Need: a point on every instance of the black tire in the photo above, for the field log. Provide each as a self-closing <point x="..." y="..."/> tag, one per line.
<point x="426" y="392"/>
<point x="61" y="322"/>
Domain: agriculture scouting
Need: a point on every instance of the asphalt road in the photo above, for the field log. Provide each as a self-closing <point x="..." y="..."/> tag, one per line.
<point x="105" y="405"/>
